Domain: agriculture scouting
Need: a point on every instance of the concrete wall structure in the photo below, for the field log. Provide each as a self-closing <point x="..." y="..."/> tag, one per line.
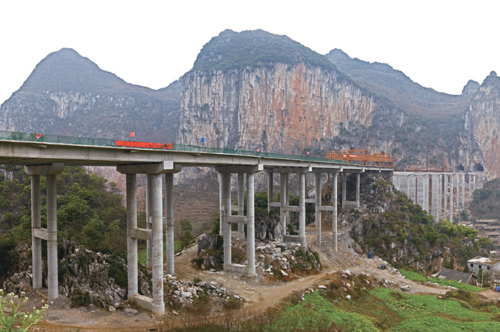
<point x="446" y="194"/>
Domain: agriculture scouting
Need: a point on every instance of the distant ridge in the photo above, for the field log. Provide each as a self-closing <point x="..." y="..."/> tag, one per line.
<point x="68" y="94"/>
<point x="399" y="89"/>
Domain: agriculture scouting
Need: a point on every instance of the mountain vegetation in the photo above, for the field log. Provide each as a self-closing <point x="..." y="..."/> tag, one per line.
<point x="399" y="231"/>
<point x="233" y="50"/>
<point x="90" y="211"/>
<point x="485" y="203"/>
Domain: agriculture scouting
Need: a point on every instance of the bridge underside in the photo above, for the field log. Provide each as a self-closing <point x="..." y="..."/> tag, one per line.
<point x="50" y="159"/>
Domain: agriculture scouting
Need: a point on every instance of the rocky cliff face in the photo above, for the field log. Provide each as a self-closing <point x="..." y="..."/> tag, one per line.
<point x="68" y="94"/>
<point x="481" y="134"/>
<point x="283" y="109"/>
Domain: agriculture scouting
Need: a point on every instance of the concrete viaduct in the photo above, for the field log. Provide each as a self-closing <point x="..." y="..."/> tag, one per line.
<point x="49" y="159"/>
<point x="446" y="189"/>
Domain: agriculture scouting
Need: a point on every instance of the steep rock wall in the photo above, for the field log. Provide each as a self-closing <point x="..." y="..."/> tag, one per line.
<point x="283" y="109"/>
<point x="481" y="135"/>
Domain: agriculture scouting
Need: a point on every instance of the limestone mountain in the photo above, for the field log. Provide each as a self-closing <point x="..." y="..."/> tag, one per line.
<point x="481" y="134"/>
<point x="68" y="94"/>
<point x="255" y="90"/>
<point x="397" y="88"/>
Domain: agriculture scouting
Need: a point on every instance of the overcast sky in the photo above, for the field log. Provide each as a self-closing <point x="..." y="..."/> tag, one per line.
<point x="438" y="44"/>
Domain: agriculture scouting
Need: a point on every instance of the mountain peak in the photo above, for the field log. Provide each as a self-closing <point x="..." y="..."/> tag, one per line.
<point x="470" y="88"/>
<point x="257" y="48"/>
<point x="67" y="70"/>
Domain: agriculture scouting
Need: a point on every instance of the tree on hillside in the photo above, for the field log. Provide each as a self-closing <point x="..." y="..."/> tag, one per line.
<point x="186" y="236"/>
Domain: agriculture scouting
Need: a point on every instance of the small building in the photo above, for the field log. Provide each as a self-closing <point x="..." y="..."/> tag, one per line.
<point x="463" y="277"/>
<point x="488" y="265"/>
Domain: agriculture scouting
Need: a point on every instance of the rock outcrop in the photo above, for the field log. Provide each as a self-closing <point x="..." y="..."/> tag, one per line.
<point x="83" y="274"/>
<point x="481" y="133"/>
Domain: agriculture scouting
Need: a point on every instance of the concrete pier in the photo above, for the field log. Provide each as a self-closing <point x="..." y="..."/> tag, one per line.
<point x="445" y="196"/>
<point x="157" y="237"/>
<point x="452" y="188"/>
<point x="241" y="204"/>
<point x="463" y="190"/>
<point x="344" y="189"/>
<point x="317" y="207"/>
<point x="250" y="224"/>
<point x="440" y="195"/>
<point x="435" y="197"/>
<point x="283" y="203"/>
<point x="149" y="218"/>
<point x="226" y="199"/>
<point x="169" y="238"/>
<point x="36" y="223"/>
<point x="334" y="214"/>
<point x="302" y="210"/>
<point x="52" y="261"/>
<point x="420" y="190"/>
<point x="270" y="188"/>
<point x="411" y="187"/>
<point x="48" y="234"/>
<point x="358" y="187"/>
<point x="426" y="192"/>
<point x="132" y="262"/>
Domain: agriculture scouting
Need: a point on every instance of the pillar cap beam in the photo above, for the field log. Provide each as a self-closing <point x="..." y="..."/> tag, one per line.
<point x="163" y="167"/>
<point x="239" y="169"/>
<point x="50" y="169"/>
<point x="299" y="170"/>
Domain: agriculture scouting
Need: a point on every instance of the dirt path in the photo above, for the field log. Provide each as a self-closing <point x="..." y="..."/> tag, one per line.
<point x="258" y="294"/>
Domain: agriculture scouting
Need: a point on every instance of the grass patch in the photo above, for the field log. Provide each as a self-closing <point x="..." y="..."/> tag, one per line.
<point x="316" y="313"/>
<point x="459" y="285"/>
<point x="414" y="276"/>
<point x="143" y="254"/>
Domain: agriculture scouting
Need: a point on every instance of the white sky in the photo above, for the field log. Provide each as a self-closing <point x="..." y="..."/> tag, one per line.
<point x="439" y="44"/>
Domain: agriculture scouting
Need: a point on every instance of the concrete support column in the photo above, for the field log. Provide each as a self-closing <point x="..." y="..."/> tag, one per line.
<point x="408" y="186"/>
<point x="132" y="262"/>
<point x="344" y="189"/>
<point x="452" y="187"/>
<point x="358" y="186"/>
<point x="426" y="192"/>
<point x="439" y="195"/>
<point x="241" y="203"/>
<point x="463" y="190"/>
<point x="445" y="197"/>
<point x="221" y="206"/>
<point x="270" y="194"/>
<point x="317" y="207"/>
<point x="287" y="192"/>
<point x="149" y="219"/>
<point x="157" y="252"/>
<point x="334" y="213"/>
<point x="457" y="184"/>
<point x="169" y="185"/>
<point x="435" y="196"/>
<point x="52" y="236"/>
<point x="250" y="225"/>
<point x="412" y="188"/>
<point x="226" y="192"/>
<point x="36" y="242"/>
<point x="420" y="190"/>
<point x="283" y="203"/>
<point x="396" y="182"/>
<point x="302" y="210"/>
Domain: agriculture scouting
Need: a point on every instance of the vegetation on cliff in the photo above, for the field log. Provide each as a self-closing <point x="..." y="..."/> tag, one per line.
<point x="485" y="203"/>
<point x="399" y="231"/>
<point x="233" y="50"/>
<point x="89" y="211"/>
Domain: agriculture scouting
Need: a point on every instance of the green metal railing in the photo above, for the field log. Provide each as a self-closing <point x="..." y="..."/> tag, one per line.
<point x="31" y="137"/>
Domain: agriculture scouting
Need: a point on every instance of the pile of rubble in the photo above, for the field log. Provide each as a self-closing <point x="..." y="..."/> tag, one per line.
<point x="281" y="261"/>
<point x="182" y="293"/>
